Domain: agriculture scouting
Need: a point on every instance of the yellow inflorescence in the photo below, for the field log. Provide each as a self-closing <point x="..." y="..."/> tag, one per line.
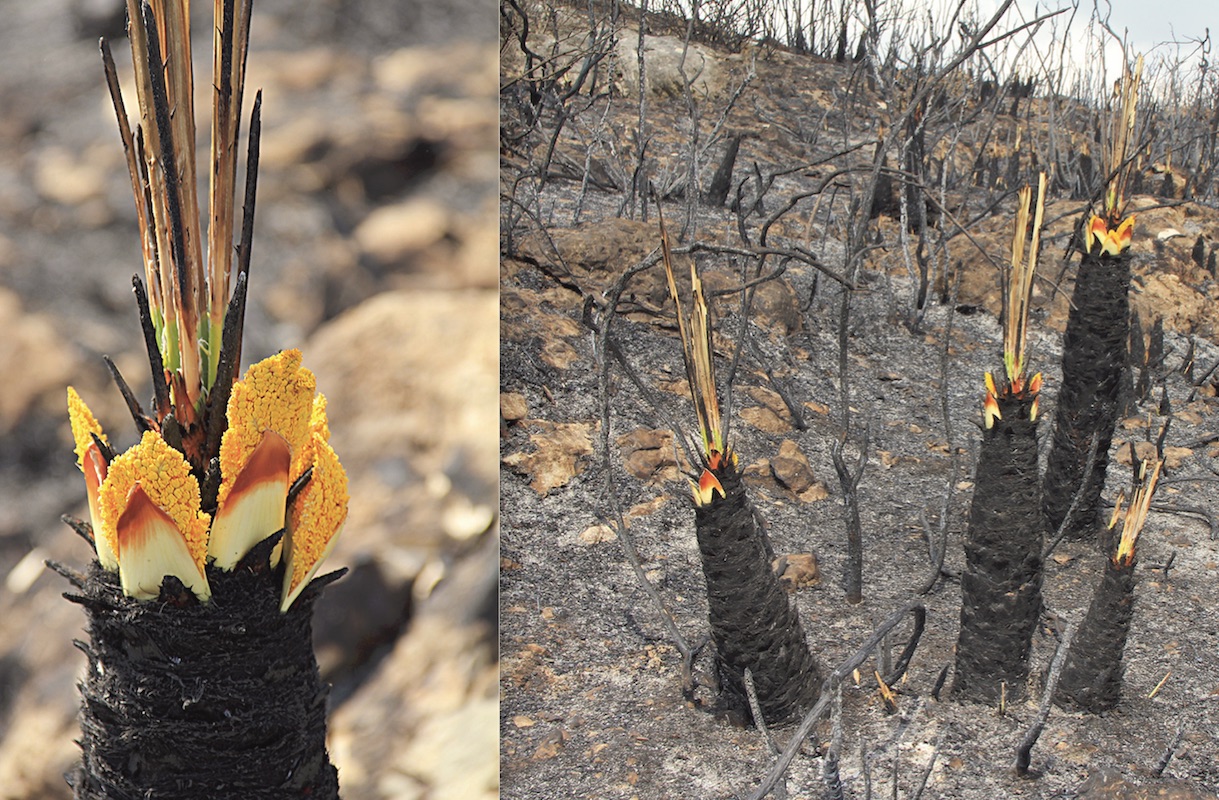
<point x="164" y="475"/>
<point x="316" y="516"/>
<point x="319" y="429"/>
<point x="84" y="425"/>
<point x="276" y="394"/>
<point x="317" y="421"/>
<point x="1115" y="241"/>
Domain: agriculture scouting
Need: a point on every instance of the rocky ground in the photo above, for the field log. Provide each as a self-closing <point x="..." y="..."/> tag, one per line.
<point x="591" y="680"/>
<point x="375" y="252"/>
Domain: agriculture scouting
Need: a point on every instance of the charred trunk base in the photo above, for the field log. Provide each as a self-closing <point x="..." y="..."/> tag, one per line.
<point x="221" y="699"/>
<point x="1001" y="586"/>
<point x="1094" y="356"/>
<point x="753" y="625"/>
<point x="1092" y="676"/>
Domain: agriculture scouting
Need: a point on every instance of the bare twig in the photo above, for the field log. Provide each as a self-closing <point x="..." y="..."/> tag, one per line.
<point x="829" y="767"/>
<point x="935" y="753"/>
<point x="841" y="673"/>
<point x="618" y="522"/>
<point x="755" y="708"/>
<point x="1024" y="752"/>
<point x="1169" y="752"/>
<point x="849" y="482"/>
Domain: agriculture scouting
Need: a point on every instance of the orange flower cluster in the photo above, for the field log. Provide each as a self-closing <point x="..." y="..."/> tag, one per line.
<point x="1017" y="387"/>
<point x="144" y="504"/>
<point x="1113" y="242"/>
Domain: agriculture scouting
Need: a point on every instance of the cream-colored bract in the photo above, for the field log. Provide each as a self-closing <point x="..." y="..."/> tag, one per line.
<point x="145" y="505"/>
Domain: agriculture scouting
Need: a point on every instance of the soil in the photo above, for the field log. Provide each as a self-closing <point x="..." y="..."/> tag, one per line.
<point x="592" y="703"/>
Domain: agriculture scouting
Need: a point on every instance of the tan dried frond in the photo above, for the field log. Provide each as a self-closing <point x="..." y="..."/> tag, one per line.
<point x="1136" y="512"/>
<point x="159" y="32"/>
<point x="187" y="297"/>
<point x="230" y="44"/>
<point x="1121" y="136"/>
<point x="696" y="350"/>
<point x="1017" y="298"/>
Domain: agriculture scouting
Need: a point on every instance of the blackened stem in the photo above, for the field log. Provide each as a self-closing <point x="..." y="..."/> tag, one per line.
<point x="226" y="368"/>
<point x="159" y="388"/>
<point x="142" y="421"/>
<point x="247" y="213"/>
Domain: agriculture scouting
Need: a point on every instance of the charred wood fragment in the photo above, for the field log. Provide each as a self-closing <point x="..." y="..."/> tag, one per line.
<point x="1092" y="678"/>
<point x="717" y="193"/>
<point x="1094" y="356"/>
<point x="1198" y="254"/>
<point x="217" y="699"/>
<point x="1001" y="585"/>
<point x="753" y="624"/>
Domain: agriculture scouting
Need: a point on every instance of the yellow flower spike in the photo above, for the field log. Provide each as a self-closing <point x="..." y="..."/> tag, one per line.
<point x="275" y="394"/>
<point x="314" y="522"/>
<point x="255" y="506"/>
<point x="151" y="519"/>
<point x="705" y="489"/>
<point x="1125" y="232"/>
<point x="318" y="424"/>
<point x="990" y="405"/>
<point x="84" y="426"/>
<point x="264" y="449"/>
<point x="93" y="464"/>
<point x="321" y="427"/>
<point x="317" y="419"/>
<point x="1113" y="242"/>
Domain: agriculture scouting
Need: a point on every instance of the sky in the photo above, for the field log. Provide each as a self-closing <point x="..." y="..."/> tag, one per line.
<point x="1147" y="24"/>
<point x="1163" y="20"/>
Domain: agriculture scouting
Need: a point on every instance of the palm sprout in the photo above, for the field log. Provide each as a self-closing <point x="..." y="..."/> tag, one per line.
<point x="753" y="625"/>
<point x="1001" y="585"/>
<point x="209" y="531"/>
<point x="1092" y="677"/>
<point x="697" y="348"/>
<point x="1094" y="346"/>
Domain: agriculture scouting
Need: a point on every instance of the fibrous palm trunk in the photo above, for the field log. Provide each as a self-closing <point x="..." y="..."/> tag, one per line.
<point x="1001" y="585"/>
<point x="220" y="699"/>
<point x="1094" y="355"/>
<point x="753" y="625"/>
<point x="1092" y="677"/>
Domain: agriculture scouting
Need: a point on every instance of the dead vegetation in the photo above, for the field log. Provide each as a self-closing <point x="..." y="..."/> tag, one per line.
<point x="845" y="211"/>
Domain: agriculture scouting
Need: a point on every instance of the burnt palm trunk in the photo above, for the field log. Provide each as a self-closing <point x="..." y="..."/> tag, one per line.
<point x="1001" y="585"/>
<point x="1094" y="355"/>
<point x="753" y="626"/>
<point x="186" y="699"/>
<point x="1092" y="678"/>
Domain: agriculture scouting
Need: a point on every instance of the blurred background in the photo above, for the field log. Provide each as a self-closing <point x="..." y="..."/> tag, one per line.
<point x="375" y="252"/>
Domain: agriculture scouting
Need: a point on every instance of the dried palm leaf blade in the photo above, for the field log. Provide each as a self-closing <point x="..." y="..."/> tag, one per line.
<point x="753" y="624"/>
